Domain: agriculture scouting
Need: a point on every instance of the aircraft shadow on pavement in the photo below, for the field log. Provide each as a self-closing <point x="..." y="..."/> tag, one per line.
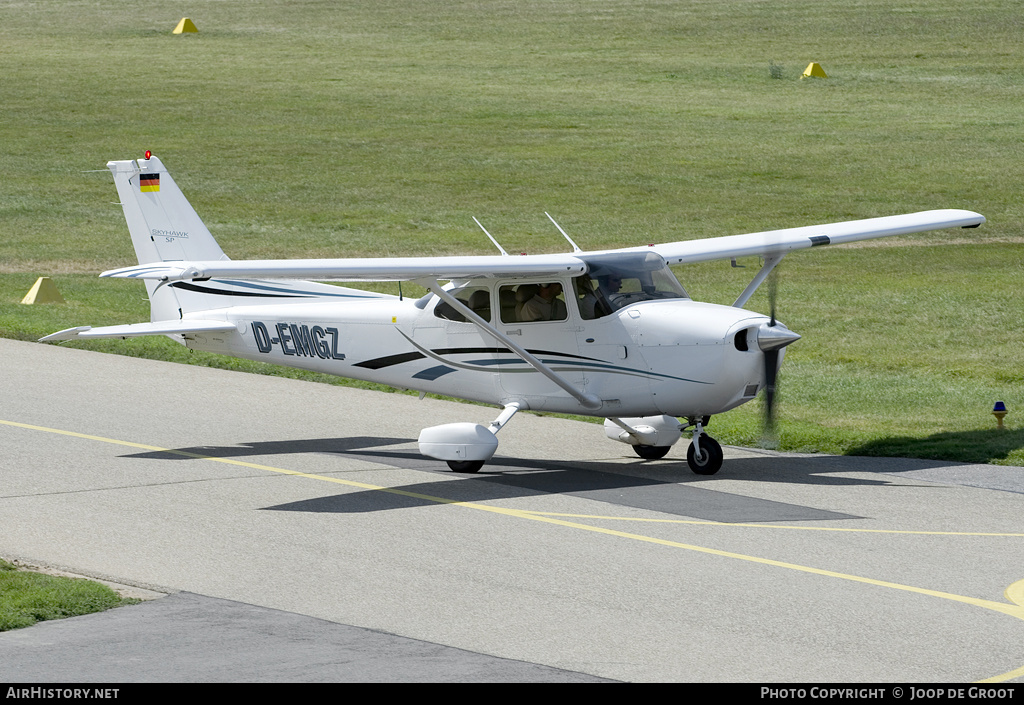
<point x="243" y="450"/>
<point x="816" y="470"/>
<point x="662" y="485"/>
<point x="613" y="488"/>
<point x="769" y="468"/>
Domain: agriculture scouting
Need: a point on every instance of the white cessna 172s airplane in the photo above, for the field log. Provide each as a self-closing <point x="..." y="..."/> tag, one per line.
<point x="609" y="333"/>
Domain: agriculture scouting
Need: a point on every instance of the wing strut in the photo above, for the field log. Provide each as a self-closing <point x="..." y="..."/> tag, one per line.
<point x="588" y="401"/>
<point x="491" y="238"/>
<point x="506" y="414"/>
<point x="575" y="247"/>
<point x="769" y="265"/>
<point x="633" y="433"/>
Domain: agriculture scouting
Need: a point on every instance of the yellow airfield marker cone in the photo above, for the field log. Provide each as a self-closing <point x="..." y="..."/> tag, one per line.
<point x="44" y="291"/>
<point x="814" y="70"/>
<point x="186" y="25"/>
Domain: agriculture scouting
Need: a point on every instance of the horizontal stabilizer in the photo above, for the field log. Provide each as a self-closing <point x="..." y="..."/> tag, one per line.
<point x="133" y="330"/>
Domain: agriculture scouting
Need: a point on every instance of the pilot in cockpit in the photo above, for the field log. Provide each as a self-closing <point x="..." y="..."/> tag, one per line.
<point x="599" y="302"/>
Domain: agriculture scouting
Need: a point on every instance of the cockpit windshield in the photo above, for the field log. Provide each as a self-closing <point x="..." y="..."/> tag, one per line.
<point x="619" y="279"/>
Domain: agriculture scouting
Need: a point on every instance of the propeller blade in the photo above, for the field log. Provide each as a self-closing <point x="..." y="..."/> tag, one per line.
<point x="772" y="338"/>
<point x="771" y="368"/>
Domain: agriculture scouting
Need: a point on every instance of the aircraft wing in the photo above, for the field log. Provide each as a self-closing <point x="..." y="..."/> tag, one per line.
<point x="368" y="269"/>
<point x="778" y="242"/>
<point x="773" y="242"/>
<point x="136" y="329"/>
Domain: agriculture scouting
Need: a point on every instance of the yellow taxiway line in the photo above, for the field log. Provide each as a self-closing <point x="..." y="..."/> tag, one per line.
<point x="771" y="526"/>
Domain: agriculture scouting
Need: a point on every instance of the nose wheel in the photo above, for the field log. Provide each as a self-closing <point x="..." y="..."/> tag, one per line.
<point x="704" y="456"/>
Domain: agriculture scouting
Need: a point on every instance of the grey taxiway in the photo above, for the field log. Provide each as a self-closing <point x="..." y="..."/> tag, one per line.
<point x="299" y="535"/>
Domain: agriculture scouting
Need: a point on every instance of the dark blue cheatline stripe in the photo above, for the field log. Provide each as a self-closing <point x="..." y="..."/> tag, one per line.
<point x="506" y="351"/>
<point x="147" y="270"/>
<point x="265" y="291"/>
<point x="188" y="286"/>
<point x="268" y="287"/>
<point x="468" y="351"/>
<point x="433" y="372"/>
<point x="567" y="363"/>
<point x="564" y="366"/>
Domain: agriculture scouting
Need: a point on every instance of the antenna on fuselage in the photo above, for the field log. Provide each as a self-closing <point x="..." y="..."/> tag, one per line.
<point x="500" y="248"/>
<point x="575" y="247"/>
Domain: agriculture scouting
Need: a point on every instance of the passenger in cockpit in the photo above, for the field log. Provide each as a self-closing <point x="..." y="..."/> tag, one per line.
<point x="545" y="305"/>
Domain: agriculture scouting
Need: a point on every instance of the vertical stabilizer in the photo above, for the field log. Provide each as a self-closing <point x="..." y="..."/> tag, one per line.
<point x="165" y="228"/>
<point x="163" y="225"/>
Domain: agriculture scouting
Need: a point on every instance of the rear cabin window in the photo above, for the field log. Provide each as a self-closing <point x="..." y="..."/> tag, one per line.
<point x="477" y="299"/>
<point x="526" y="303"/>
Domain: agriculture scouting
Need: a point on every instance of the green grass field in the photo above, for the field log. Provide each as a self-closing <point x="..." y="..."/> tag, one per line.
<point x="325" y="128"/>
<point x="28" y="597"/>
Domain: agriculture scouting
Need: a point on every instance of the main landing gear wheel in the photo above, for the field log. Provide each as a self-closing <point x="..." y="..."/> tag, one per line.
<point x="652" y="452"/>
<point x="710" y="459"/>
<point x="465" y="465"/>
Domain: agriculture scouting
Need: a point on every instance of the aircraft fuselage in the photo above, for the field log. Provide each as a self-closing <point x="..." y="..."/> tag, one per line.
<point x="677" y="357"/>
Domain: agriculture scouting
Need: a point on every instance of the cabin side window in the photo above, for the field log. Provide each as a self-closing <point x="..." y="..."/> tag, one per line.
<point x="525" y="303"/>
<point x="476" y="298"/>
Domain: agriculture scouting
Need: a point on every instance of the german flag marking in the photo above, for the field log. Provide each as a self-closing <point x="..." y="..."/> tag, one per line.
<point x="149" y="182"/>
